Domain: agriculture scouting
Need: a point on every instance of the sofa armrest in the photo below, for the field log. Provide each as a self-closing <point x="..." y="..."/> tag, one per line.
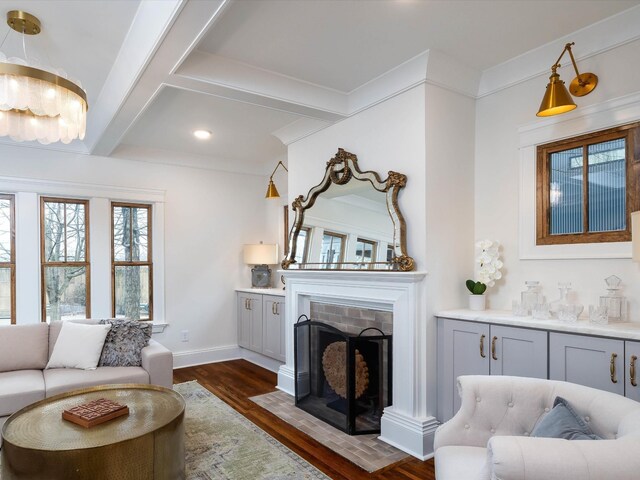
<point x="520" y="458"/>
<point x="157" y="360"/>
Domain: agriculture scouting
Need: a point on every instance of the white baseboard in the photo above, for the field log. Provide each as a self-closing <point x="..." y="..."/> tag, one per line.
<point x="411" y="435"/>
<point x="206" y="355"/>
<point x="260" y="360"/>
<point x="286" y="380"/>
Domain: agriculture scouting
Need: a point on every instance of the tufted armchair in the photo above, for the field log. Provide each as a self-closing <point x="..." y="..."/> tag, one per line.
<point x="489" y="436"/>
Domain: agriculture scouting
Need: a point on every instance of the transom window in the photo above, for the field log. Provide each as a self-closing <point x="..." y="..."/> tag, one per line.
<point x="7" y="261"/>
<point x="64" y="244"/>
<point x="587" y="187"/>
<point x="131" y="266"/>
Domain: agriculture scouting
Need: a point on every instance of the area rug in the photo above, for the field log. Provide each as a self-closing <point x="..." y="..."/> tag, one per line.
<point x="222" y="444"/>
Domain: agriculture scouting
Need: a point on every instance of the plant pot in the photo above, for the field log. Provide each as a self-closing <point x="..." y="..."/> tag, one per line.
<point x="477" y="302"/>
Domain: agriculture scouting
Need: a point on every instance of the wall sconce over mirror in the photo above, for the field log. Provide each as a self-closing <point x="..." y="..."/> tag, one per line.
<point x="272" y="191"/>
<point x="556" y="98"/>
<point x="349" y="221"/>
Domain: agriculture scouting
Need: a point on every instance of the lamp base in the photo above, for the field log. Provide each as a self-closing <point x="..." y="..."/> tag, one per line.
<point x="260" y="276"/>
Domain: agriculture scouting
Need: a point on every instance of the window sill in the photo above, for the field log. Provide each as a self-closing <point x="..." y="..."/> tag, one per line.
<point x="158" y="327"/>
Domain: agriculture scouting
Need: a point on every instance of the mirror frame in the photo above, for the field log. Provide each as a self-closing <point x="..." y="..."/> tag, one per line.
<point x="341" y="169"/>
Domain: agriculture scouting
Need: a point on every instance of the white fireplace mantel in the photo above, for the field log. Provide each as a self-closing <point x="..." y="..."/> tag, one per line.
<point x="405" y="424"/>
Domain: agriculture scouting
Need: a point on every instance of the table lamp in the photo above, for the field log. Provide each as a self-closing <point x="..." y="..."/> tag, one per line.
<point x="261" y="255"/>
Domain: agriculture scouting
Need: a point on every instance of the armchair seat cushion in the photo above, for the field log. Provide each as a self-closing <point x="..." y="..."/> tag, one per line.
<point x="19" y="389"/>
<point x="59" y="380"/>
<point x="460" y="463"/>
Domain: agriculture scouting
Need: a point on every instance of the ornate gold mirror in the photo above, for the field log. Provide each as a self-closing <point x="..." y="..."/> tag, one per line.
<point x="355" y="222"/>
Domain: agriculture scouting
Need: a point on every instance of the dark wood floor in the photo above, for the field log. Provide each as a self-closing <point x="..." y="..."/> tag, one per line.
<point x="236" y="381"/>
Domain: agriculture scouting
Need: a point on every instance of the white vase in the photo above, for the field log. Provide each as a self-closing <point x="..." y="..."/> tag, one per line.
<point x="477" y="302"/>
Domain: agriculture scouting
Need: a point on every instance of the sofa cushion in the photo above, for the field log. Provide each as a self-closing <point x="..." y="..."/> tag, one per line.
<point x="461" y="463"/>
<point x="563" y="422"/>
<point x="78" y="346"/>
<point x="23" y="347"/>
<point x="59" y="380"/>
<point x="55" y="327"/>
<point x="124" y="343"/>
<point x="19" y="389"/>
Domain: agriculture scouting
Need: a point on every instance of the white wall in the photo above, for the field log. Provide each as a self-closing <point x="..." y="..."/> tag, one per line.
<point x="498" y="117"/>
<point x="208" y="216"/>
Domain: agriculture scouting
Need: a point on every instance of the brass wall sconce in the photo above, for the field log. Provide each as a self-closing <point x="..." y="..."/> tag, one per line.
<point x="272" y="191"/>
<point x="556" y="99"/>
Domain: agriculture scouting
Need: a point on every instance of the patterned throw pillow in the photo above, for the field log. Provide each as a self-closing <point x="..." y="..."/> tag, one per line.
<point x="124" y="343"/>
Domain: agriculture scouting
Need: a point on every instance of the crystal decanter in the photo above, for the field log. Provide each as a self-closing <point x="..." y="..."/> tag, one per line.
<point x="531" y="296"/>
<point x="616" y="304"/>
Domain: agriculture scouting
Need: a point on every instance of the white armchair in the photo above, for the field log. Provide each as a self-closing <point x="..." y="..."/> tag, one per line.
<point x="489" y="436"/>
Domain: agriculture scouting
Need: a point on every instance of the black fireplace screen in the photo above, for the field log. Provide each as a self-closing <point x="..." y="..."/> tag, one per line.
<point x="341" y="378"/>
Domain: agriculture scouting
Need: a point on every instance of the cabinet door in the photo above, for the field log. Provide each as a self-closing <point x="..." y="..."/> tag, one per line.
<point x="463" y="349"/>
<point x="244" y="320"/>
<point x="273" y="327"/>
<point x="255" y="315"/>
<point x="591" y="361"/>
<point x="632" y="354"/>
<point x="520" y="352"/>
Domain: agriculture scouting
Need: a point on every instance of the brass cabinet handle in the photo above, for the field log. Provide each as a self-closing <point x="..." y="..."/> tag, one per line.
<point x="493" y="348"/>
<point x="277" y="308"/>
<point x="612" y="367"/>
<point x="245" y="304"/>
<point x="249" y="303"/>
<point x="273" y="308"/>
<point x="632" y="370"/>
<point x="482" y="346"/>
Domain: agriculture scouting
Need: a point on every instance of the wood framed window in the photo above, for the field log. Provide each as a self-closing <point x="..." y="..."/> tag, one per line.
<point x="587" y="187"/>
<point x="332" y="250"/>
<point x="7" y="260"/>
<point x="64" y="253"/>
<point x="302" y="245"/>
<point x="366" y="251"/>
<point x="131" y="265"/>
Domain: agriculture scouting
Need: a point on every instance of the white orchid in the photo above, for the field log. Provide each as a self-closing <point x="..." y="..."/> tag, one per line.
<point x="489" y="263"/>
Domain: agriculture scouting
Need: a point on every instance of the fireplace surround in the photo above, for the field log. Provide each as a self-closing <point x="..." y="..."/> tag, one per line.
<point x="408" y="423"/>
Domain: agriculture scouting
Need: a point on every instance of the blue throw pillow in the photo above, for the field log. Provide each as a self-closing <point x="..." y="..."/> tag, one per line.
<point x="563" y="422"/>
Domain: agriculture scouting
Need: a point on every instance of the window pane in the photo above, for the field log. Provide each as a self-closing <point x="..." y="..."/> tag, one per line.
<point x="331" y="250"/>
<point x="5" y="230"/>
<point x="75" y="232"/>
<point x="121" y="235"/>
<point x="65" y="293"/>
<point x="54" y="232"/>
<point x="607" y="186"/>
<point x="566" y="192"/>
<point x="132" y="292"/>
<point x="140" y="224"/>
<point x="365" y="251"/>
<point x="5" y="296"/>
<point x="301" y="244"/>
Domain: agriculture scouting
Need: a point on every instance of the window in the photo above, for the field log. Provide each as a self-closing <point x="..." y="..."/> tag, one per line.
<point x="586" y="187"/>
<point x="131" y="266"/>
<point x="332" y="250"/>
<point x="7" y="261"/>
<point x="64" y="247"/>
<point x="302" y="245"/>
<point x="366" y="252"/>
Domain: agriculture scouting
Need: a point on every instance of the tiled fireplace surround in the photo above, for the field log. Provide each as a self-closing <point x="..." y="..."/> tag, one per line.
<point x="407" y="423"/>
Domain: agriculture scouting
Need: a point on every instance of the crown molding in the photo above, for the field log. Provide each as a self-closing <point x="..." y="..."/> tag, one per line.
<point x="299" y="129"/>
<point x="591" y="40"/>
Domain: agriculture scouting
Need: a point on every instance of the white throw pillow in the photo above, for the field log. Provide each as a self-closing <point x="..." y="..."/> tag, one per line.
<point x="78" y="346"/>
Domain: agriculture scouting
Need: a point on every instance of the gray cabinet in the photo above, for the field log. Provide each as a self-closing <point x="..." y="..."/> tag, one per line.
<point x="470" y="348"/>
<point x="592" y="361"/>
<point x="273" y="327"/>
<point x="632" y="370"/>
<point x="261" y="324"/>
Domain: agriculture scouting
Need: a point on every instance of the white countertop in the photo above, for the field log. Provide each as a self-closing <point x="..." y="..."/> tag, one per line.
<point x="629" y="331"/>
<point x="263" y="291"/>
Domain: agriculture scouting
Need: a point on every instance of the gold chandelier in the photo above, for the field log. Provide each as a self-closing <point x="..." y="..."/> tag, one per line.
<point x="37" y="102"/>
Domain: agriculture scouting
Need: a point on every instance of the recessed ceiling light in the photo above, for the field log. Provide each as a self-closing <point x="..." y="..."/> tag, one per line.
<point x="202" y="134"/>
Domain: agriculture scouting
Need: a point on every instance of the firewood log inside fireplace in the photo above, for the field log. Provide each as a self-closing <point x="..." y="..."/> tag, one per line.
<point x="334" y="364"/>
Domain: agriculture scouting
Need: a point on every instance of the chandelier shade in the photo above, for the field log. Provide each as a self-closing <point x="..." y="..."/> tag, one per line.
<point x="40" y="103"/>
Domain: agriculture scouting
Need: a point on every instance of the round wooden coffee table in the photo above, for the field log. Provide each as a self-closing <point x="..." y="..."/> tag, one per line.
<point x="146" y="444"/>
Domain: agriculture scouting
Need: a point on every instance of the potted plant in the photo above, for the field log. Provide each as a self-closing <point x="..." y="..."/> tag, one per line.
<point x="489" y="265"/>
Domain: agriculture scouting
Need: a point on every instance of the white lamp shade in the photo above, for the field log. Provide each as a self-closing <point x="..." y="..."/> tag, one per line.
<point x="261" y="254"/>
<point x="635" y="236"/>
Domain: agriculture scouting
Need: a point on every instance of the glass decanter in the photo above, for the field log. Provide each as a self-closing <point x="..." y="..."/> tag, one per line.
<point x="556" y="305"/>
<point x="531" y="296"/>
<point x="616" y="304"/>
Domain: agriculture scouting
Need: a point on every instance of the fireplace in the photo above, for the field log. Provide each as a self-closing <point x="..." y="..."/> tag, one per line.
<point x="342" y="378"/>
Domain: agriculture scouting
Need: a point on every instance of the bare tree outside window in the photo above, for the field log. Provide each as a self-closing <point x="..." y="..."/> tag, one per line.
<point x="7" y="261"/>
<point x="132" y="285"/>
<point x="65" y="268"/>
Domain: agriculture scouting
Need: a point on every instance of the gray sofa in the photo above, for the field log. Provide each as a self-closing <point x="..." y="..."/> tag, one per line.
<point x="25" y="351"/>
